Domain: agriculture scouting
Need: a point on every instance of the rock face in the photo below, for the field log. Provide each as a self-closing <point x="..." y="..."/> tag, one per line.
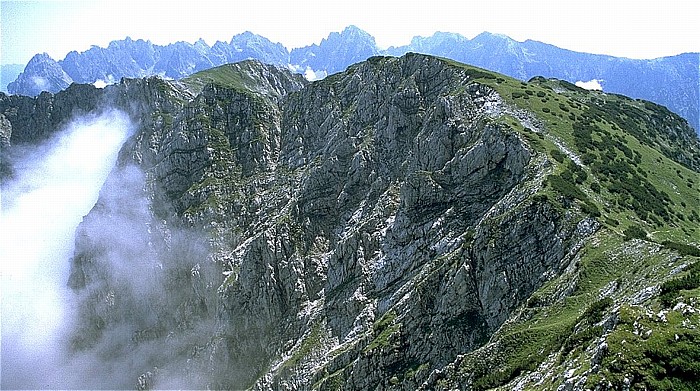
<point x="361" y="232"/>
<point x="34" y="119"/>
<point x="364" y="208"/>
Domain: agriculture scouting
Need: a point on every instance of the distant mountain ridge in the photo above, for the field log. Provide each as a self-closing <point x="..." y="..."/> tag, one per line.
<point x="670" y="81"/>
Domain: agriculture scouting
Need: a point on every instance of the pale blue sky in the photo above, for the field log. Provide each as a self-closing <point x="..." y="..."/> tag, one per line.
<point x="637" y="29"/>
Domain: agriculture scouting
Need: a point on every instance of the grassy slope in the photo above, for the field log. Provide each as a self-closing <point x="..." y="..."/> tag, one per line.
<point x="624" y="180"/>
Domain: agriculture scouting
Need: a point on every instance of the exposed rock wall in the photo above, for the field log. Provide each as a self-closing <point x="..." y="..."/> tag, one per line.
<point x="358" y="232"/>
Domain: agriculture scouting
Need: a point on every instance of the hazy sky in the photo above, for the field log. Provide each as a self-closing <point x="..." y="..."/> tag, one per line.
<point x="635" y="28"/>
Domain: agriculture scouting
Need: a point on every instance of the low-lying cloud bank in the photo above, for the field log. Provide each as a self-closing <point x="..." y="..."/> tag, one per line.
<point x="54" y="186"/>
<point x="142" y="290"/>
<point x="98" y="293"/>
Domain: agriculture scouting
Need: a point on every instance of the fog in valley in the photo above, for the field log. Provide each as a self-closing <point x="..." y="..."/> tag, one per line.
<point x="54" y="185"/>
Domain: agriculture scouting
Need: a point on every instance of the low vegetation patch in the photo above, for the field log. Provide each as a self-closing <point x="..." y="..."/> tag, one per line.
<point x="670" y="290"/>
<point x="654" y="352"/>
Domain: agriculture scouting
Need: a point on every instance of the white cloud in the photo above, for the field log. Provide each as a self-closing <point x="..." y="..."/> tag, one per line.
<point x="312" y="75"/>
<point x="590" y="85"/>
<point x="55" y="185"/>
<point x="102" y="83"/>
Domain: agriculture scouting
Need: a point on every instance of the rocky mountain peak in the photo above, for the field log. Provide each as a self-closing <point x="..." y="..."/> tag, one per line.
<point x="40" y="58"/>
<point x="353" y="31"/>
<point x="201" y="45"/>
<point x="337" y="51"/>
<point x="244" y="36"/>
<point x="42" y="73"/>
<point x="351" y="35"/>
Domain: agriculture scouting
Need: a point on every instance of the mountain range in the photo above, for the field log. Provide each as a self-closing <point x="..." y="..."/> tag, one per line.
<point x="407" y="223"/>
<point x="670" y="81"/>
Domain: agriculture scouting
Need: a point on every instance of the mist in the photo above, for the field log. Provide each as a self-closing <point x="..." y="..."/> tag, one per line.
<point x="54" y="185"/>
<point x="142" y="290"/>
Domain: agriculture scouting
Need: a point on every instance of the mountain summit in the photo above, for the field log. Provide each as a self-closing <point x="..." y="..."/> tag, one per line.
<point x="408" y="223"/>
<point x="336" y="52"/>
<point x="672" y="81"/>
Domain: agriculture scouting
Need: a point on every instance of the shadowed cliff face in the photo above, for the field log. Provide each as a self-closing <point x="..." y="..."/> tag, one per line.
<point x="259" y="231"/>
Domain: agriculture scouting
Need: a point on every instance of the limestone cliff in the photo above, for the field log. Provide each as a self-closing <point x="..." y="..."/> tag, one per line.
<point x="384" y="228"/>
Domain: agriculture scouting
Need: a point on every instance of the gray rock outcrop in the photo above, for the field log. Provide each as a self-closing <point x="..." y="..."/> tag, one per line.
<point x="351" y="225"/>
